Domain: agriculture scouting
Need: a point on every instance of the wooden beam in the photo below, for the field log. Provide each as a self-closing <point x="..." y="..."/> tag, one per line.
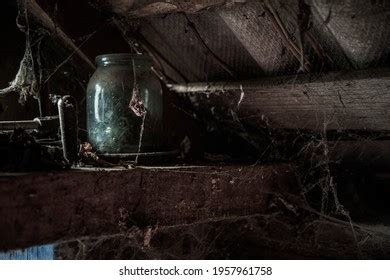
<point x="45" y="208"/>
<point x="138" y="9"/>
<point x="356" y="100"/>
<point x="259" y="36"/>
<point x="42" y="18"/>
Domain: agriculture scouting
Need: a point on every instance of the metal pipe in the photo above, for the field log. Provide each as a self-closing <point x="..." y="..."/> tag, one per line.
<point x="67" y="110"/>
<point x="12" y="125"/>
<point x="43" y="124"/>
<point x="337" y="81"/>
<point x="208" y="87"/>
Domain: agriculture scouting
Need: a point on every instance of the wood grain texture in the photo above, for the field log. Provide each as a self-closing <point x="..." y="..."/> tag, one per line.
<point x="332" y="101"/>
<point x="254" y="30"/>
<point x="137" y="9"/>
<point x="45" y="208"/>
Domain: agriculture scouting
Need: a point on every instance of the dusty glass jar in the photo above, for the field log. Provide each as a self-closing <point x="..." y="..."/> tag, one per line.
<point x="114" y="128"/>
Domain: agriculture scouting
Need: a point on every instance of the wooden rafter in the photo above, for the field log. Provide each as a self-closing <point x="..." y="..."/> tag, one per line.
<point x="138" y="9"/>
<point x="354" y="100"/>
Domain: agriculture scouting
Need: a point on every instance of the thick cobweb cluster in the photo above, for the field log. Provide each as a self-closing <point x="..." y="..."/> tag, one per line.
<point x="304" y="225"/>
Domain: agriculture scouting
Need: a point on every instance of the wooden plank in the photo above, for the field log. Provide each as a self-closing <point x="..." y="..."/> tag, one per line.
<point x="45" y="208"/>
<point x="259" y="37"/>
<point x="137" y="9"/>
<point x="371" y="27"/>
<point x="356" y="100"/>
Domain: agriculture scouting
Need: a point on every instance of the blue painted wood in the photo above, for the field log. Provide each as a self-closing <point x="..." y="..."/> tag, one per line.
<point x="34" y="253"/>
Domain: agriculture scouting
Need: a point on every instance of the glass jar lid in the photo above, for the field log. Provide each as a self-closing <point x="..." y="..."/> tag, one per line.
<point x="123" y="59"/>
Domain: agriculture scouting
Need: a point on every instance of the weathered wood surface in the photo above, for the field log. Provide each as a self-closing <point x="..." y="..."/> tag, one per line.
<point x="287" y="233"/>
<point x="45" y="208"/>
<point x="332" y="101"/>
<point x="258" y="36"/>
<point x="137" y="9"/>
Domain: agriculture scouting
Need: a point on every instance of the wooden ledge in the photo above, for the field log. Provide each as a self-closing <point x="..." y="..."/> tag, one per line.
<point x="46" y="208"/>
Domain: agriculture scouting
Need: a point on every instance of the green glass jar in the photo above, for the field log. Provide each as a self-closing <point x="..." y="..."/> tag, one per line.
<point x="113" y="127"/>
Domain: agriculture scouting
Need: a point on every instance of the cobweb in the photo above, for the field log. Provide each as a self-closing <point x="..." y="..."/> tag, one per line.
<point x="43" y="61"/>
<point x="29" y="76"/>
<point x="311" y="224"/>
<point x="299" y="225"/>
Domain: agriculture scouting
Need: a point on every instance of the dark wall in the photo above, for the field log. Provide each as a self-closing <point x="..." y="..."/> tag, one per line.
<point x="12" y="45"/>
